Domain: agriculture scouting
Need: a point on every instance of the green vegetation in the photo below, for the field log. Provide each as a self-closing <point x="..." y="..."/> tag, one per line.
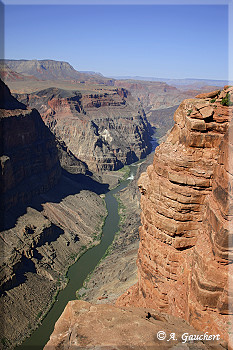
<point x="5" y="341"/>
<point x="189" y="111"/>
<point x="80" y="296"/>
<point x="121" y="210"/>
<point x="39" y="315"/>
<point x="226" y="101"/>
<point x="126" y="171"/>
<point x="213" y="100"/>
<point x="99" y="228"/>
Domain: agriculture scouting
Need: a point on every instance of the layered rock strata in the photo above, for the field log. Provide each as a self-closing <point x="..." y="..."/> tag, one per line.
<point x="186" y="237"/>
<point x="156" y="95"/>
<point x="29" y="159"/>
<point x="118" y="271"/>
<point x="49" y="218"/>
<point x="185" y="243"/>
<point x="103" y="129"/>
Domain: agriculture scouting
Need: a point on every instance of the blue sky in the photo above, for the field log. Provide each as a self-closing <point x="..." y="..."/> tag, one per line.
<point x="169" y="41"/>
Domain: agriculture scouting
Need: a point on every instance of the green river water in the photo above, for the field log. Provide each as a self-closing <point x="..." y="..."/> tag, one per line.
<point x="78" y="272"/>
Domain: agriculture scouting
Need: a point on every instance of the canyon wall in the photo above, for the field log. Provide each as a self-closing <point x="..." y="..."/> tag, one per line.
<point x="186" y="237"/>
<point x="185" y="244"/>
<point x="156" y="95"/>
<point x="49" y="217"/>
<point x="29" y="158"/>
<point x="105" y="129"/>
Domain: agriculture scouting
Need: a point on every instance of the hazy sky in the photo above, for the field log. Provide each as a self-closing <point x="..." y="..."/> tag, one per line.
<point x="169" y="41"/>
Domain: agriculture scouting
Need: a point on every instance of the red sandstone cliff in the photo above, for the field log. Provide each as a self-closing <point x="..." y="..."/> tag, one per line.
<point x="185" y="241"/>
<point x="186" y="234"/>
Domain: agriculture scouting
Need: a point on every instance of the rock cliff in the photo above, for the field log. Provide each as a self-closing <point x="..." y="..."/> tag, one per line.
<point x="29" y="159"/>
<point x="185" y="243"/>
<point x="105" y="129"/>
<point x="156" y="95"/>
<point x="88" y="326"/>
<point x="185" y="250"/>
<point x="49" y="218"/>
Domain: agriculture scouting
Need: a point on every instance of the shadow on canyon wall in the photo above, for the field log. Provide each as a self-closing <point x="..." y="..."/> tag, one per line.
<point x="69" y="184"/>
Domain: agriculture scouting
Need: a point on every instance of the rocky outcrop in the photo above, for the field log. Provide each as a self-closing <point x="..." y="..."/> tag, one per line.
<point x="68" y="160"/>
<point x="210" y="294"/>
<point x="7" y="100"/>
<point x="88" y="326"/>
<point x="106" y="130"/>
<point x="185" y="239"/>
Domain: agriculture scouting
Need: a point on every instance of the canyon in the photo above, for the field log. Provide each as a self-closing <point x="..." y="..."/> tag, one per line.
<point x="51" y="200"/>
<point x="117" y="271"/>
<point x="105" y="128"/>
<point x="62" y="139"/>
<point x="185" y="250"/>
<point x="154" y="95"/>
<point x="49" y="218"/>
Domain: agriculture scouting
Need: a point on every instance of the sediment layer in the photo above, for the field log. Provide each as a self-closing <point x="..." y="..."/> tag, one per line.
<point x="105" y="129"/>
<point x="186" y="239"/>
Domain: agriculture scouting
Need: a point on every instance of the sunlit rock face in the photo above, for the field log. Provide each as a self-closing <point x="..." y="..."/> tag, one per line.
<point x="185" y="238"/>
<point x="105" y="129"/>
<point x="83" y="325"/>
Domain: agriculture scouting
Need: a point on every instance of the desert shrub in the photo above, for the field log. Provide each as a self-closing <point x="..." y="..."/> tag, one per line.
<point x="226" y="101"/>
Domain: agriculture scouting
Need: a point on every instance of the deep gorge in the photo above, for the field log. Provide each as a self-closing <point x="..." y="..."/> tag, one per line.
<point x="55" y="211"/>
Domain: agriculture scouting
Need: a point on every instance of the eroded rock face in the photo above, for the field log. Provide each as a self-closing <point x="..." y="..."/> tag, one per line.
<point x="185" y="245"/>
<point x="185" y="238"/>
<point x="29" y="158"/>
<point x="87" y="326"/>
<point x="48" y="218"/>
<point x="103" y="129"/>
<point x="156" y="95"/>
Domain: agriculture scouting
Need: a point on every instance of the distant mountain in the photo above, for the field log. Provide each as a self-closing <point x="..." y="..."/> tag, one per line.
<point x="53" y="70"/>
<point x="7" y="74"/>
<point x="91" y="73"/>
<point x="180" y="83"/>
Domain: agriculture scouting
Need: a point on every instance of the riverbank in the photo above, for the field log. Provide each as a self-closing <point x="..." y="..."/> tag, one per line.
<point x="79" y="270"/>
<point x="117" y="270"/>
<point x="28" y="302"/>
<point x="64" y="280"/>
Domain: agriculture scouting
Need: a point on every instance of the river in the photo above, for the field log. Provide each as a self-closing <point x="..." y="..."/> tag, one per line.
<point x="78" y="272"/>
